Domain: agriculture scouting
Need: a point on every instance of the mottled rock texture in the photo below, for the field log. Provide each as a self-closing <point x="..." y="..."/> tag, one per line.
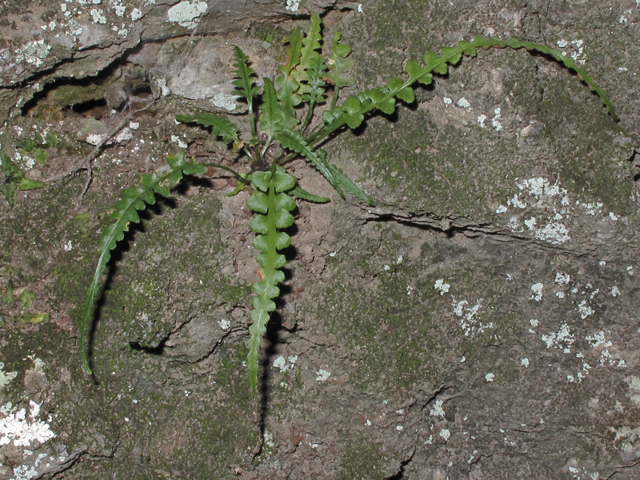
<point x="480" y="322"/>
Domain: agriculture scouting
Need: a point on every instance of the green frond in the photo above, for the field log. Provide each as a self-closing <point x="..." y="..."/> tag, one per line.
<point x="220" y="126"/>
<point x="272" y="206"/>
<point x="126" y="212"/>
<point x="244" y="76"/>
<point x="296" y="142"/>
<point x="339" y="63"/>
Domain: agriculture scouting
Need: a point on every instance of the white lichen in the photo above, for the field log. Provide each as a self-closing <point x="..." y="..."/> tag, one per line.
<point x="33" y="52"/>
<point x="553" y="232"/>
<point x="6" y="377"/>
<point x="293" y="5"/>
<point x="23" y="430"/>
<point x="136" y="14"/>
<point x="537" y="291"/>
<point x="584" y="309"/>
<point x="98" y="16"/>
<point x="322" y="375"/>
<point x="563" y="338"/>
<point x="281" y="364"/>
<point x="469" y="324"/>
<point x="495" y="123"/>
<point x="94" y="139"/>
<point x="175" y="139"/>
<point x="463" y="103"/>
<point x="441" y="286"/>
<point x="185" y="13"/>
<point x="437" y="410"/>
<point x="516" y="202"/>
<point x="225" y="101"/>
<point x="531" y="223"/>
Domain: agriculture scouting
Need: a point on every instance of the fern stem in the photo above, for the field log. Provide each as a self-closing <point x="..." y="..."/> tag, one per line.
<point x="307" y="119"/>
<point x="230" y="170"/>
<point x="253" y="121"/>
<point x="334" y="100"/>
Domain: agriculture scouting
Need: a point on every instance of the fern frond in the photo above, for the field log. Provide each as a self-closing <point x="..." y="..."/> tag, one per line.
<point x="297" y="143"/>
<point x="383" y="98"/>
<point x="310" y="49"/>
<point x="244" y="76"/>
<point x="314" y="90"/>
<point x="557" y="55"/>
<point x="288" y="85"/>
<point x="339" y="64"/>
<point x="126" y="212"/>
<point x="295" y="46"/>
<point x="271" y="112"/>
<point x="220" y="126"/>
<point x="289" y="99"/>
<point x="272" y="205"/>
<point x="302" y="194"/>
<point x="244" y="83"/>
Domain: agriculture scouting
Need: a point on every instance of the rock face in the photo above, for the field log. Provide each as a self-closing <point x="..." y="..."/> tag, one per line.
<point x="480" y="322"/>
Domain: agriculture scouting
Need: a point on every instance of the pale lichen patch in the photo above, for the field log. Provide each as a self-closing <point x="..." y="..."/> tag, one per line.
<point x="23" y="430"/>
<point x="225" y="101"/>
<point x="6" y="377"/>
<point x="469" y="324"/>
<point x="33" y="52"/>
<point x="322" y="375"/>
<point x="437" y="410"/>
<point x="537" y="291"/>
<point x="562" y="339"/>
<point x="185" y="13"/>
<point x="441" y="286"/>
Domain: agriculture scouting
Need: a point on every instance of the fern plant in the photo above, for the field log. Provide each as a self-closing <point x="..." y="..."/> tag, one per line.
<point x="281" y="115"/>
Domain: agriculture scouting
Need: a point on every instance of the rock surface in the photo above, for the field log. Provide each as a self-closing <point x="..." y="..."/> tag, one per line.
<point x="480" y="322"/>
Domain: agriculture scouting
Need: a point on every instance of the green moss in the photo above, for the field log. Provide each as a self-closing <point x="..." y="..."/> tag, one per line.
<point x="362" y="460"/>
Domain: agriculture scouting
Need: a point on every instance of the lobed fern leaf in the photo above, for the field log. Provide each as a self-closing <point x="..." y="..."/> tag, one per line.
<point x="126" y="212"/>
<point x="272" y="114"/>
<point x="244" y="76"/>
<point x="339" y="64"/>
<point x="296" y="142"/>
<point x="295" y="46"/>
<point x="314" y="90"/>
<point x="220" y="126"/>
<point x="272" y="205"/>
<point x="383" y="99"/>
<point x="244" y="84"/>
<point x="558" y="56"/>
<point x="310" y="49"/>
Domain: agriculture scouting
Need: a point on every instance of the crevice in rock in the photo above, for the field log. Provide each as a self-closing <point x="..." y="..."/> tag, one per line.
<point x="430" y="222"/>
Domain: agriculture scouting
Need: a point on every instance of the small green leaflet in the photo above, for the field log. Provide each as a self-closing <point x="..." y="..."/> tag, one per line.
<point x="14" y="179"/>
